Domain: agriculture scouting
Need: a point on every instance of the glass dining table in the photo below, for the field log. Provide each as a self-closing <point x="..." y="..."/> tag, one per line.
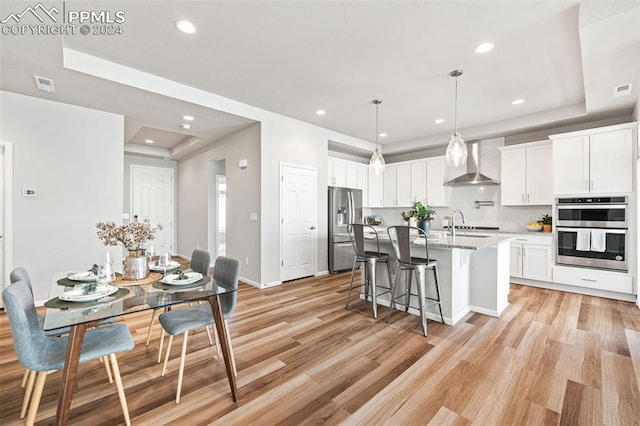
<point x="128" y="299"/>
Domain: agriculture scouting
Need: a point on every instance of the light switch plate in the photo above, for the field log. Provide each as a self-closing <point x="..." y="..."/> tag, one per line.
<point x="253" y="217"/>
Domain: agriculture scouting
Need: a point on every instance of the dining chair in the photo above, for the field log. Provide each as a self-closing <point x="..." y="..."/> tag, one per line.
<point x="45" y="354"/>
<point x="29" y="377"/>
<point x="401" y="239"/>
<point x="370" y="261"/>
<point x="226" y="272"/>
<point x="200" y="262"/>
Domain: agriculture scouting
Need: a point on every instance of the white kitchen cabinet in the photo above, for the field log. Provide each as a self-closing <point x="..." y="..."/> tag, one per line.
<point x="531" y="257"/>
<point x="352" y="175"/>
<point x="375" y="196"/>
<point x="620" y="282"/>
<point x="526" y="174"/>
<point x="337" y="172"/>
<point x="437" y="193"/>
<point x="363" y="182"/>
<point x="419" y="181"/>
<point x="396" y="185"/>
<point x="595" y="161"/>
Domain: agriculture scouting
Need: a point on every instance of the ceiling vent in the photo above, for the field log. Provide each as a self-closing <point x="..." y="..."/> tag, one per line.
<point x="622" y="90"/>
<point x="44" y="83"/>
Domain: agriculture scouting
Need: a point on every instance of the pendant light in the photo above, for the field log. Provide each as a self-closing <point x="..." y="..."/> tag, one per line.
<point x="456" y="149"/>
<point x="377" y="161"/>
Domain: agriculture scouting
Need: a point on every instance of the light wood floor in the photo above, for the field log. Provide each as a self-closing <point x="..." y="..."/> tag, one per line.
<point x="552" y="358"/>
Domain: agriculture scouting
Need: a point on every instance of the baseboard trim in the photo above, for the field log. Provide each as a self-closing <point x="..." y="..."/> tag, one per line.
<point x="322" y="273"/>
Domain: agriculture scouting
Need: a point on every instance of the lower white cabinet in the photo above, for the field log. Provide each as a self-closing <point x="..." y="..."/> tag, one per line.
<point x="602" y="280"/>
<point x="531" y="257"/>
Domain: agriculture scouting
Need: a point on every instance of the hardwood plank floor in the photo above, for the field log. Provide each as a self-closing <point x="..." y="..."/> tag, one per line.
<point x="552" y="358"/>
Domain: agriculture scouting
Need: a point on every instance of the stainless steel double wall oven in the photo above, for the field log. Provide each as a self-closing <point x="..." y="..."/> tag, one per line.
<point x="593" y="232"/>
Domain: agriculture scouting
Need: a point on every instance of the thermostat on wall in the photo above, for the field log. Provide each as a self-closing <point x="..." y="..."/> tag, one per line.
<point x="29" y="192"/>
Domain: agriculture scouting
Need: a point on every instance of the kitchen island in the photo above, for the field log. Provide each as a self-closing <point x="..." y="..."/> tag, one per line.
<point x="473" y="271"/>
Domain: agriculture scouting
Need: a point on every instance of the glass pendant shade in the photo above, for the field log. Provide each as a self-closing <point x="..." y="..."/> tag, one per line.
<point x="377" y="162"/>
<point x="456" y="151"/>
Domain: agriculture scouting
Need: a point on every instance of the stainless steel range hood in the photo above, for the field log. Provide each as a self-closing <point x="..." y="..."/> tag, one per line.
<point x="473" y="175"/>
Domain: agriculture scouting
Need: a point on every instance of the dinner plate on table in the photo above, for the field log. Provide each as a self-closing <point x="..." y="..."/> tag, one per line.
<point x="155" y="267"/>
<point x="192" y="277"/>
<point x="79" y="295"/>
<point x="82" y="276"/>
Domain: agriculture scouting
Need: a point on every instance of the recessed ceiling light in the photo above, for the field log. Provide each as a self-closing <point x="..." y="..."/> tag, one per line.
<point x="383" y="135"/>
<point x="439" y="120"/>
<point x="517" y="101"/>
<point x="484" y="47"/>
<point x="321" y="112"/>
<point x="188" y="117"/>
<point x="148" y="140"/>
<point x="186" y="126"/>
<point x="186" y="26"/>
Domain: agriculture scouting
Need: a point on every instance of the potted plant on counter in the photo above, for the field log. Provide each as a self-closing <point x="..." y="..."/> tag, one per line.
<point x="546" y="223"/>
<point x="421" y="214"/>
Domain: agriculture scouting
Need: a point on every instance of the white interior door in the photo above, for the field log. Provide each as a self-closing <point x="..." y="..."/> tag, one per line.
<point x="152" y="198"/>
<point x="298" y="218"/>
<point x="221" y="215"/>
<point x="2" y="177"/>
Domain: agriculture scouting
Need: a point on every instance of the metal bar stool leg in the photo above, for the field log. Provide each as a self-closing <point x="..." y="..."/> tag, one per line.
<point x="435" y="275"/>
<point x="353" y="270"/>
<point x="394" y="287"/>
<point x="407" y="289"/>
<point x="421" y="287"/>
<point x="372" y="263"/>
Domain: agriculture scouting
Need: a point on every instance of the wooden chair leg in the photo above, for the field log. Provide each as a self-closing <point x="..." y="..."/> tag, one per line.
<point x="166" y="357"/>
<point x="162" y="333"/>
<point x="217" y="344"/>
<point x="183" y="355"/>
<point x="208" y="328"/>
<point x="120" y="389"/>
<point x="153" y="316"/>
<point x="37" y="394"/>
<point x="105" y="361"/>
<point x="25" y="376"/>
<point x="27" y="392"/>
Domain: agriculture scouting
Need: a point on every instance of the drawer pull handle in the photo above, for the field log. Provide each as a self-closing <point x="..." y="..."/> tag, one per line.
<point x="587" y="279"/>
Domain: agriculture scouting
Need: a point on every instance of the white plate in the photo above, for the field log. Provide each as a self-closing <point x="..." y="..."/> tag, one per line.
<point x="154" y="267"/>
<point x="192" y="278"/>
<point x="78" y="295"/>
<point x="84" y="276"/>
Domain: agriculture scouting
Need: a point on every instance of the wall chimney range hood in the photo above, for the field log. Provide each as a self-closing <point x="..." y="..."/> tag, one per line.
<point x="473" y="175"/>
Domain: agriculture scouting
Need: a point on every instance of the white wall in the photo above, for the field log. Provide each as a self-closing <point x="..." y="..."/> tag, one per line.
<point x="73" y="157"/>
<point x="243" y="197"/>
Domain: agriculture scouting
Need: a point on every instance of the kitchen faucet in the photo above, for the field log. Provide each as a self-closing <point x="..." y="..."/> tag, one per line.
<point x="452" y="225"/>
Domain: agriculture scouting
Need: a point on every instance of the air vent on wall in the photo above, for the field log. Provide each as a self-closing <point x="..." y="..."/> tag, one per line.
<point x="622" y="90"/>
<point x="44" y="83"/>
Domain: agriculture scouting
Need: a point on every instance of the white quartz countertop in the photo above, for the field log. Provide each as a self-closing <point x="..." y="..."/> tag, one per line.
<point x="462" y="240"/>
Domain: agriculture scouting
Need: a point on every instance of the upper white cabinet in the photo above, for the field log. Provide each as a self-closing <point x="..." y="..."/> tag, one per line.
<point x="419" y="181"/>
<point x="375" y="198"/>
<point x="437" y="193"/>
<point x="596" y="161"/>
<point x="397" y="185"/>
<point x="526" y="174"/>
<point x="337" y="172"/>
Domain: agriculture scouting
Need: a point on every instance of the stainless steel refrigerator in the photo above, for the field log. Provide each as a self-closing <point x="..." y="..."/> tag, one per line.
<point x="345" y="207"/>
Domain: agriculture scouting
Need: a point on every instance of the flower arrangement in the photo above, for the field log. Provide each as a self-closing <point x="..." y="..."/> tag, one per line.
<point x="131" y="236"/>
<point x="419" y="211"/>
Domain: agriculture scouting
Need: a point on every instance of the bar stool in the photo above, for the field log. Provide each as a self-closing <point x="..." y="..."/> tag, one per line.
<point x="401" y="238"/>
<point x="370" y="259"/>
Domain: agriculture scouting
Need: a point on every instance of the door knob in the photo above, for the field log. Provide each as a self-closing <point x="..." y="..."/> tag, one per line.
<point x="312" y="227"/>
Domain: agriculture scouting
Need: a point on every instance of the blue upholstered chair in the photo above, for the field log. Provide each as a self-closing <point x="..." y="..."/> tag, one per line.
<point x="29" y="377"/>
<point x="200" y="262"/>
<point x="38" y="352"/>
<point x="226" y="272"/>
